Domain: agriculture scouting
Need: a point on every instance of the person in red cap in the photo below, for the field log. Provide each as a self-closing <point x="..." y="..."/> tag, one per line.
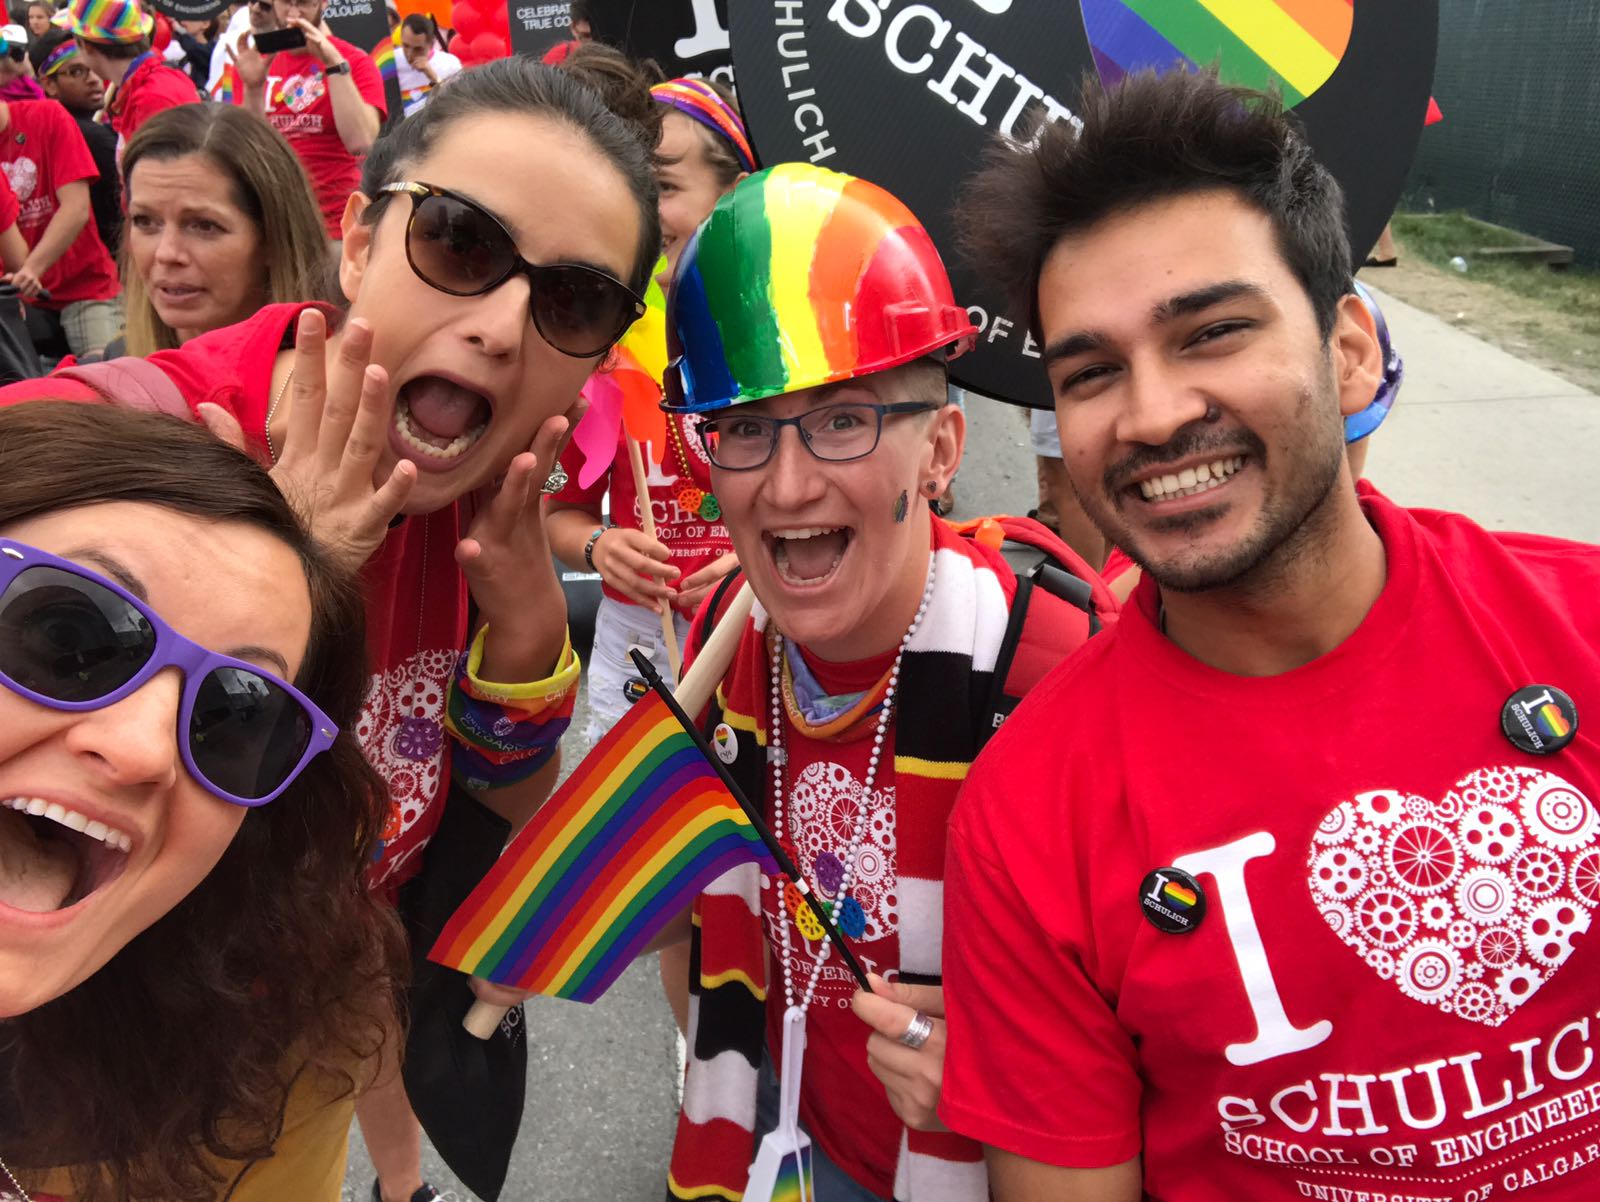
<point x="114" y="39"/>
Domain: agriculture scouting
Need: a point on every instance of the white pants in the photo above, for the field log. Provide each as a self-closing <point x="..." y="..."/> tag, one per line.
<point x="618" y="628"/>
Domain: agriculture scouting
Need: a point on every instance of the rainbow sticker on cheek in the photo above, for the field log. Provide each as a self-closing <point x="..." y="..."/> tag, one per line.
<point x="1294" y="45"/>
<point x="902" y="506"/>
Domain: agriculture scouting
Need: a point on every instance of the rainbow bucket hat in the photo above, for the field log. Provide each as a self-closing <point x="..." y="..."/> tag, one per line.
<point x="803" y="276"/>
<point x="108" y="21"/>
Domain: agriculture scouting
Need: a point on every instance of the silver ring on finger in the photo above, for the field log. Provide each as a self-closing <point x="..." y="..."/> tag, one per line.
<point x="556" y="481"/>
<point x="916" y="1034"/>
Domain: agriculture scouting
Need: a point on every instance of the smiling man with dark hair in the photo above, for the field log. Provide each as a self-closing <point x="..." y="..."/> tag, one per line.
<point x="1283" y="888"/>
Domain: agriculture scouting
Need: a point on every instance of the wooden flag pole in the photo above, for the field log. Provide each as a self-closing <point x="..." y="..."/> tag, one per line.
<point x="693" y="694"/>
<point x="647" y="523"/>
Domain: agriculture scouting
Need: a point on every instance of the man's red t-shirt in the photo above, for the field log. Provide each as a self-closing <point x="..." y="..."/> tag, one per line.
<point x="691" y="540"/>
<point x="40" y="151"/>
<point x="1393" y="990"/>
<point x="298" y="106"/>
<point x="149" y="88"/>
<point x="416" y="598"/>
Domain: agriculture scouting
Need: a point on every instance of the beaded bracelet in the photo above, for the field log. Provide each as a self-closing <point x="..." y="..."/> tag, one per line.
<point x="588" y="547"/>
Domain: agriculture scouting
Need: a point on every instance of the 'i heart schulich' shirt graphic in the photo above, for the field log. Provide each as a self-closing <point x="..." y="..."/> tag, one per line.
<point x="1393" y="988"/>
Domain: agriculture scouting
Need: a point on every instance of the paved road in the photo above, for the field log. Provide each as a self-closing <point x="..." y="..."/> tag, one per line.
<point x="1476" y="430"/>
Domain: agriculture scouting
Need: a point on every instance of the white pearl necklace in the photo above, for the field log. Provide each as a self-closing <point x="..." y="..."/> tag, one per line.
<point x="858" y="833"/>
<point x="15" y="1184"/>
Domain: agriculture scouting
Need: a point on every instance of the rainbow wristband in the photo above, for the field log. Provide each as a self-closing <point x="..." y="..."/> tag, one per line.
<point x="531" y="698"/>
<point x="506" y="732"/>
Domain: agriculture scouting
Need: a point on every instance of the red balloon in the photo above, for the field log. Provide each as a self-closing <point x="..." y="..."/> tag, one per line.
<point x="497" y="14"/>
<point x="487" y="46"/>
<point x="469" y="22"/>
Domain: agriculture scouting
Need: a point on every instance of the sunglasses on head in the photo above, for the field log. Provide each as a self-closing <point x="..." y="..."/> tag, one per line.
<point x="459" y="247"/>
<point x="72" y="640"/>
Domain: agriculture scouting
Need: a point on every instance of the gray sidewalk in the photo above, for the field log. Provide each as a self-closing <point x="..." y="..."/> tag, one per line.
<point x="1478" y="431"/>
<point x="1475" y="430"/>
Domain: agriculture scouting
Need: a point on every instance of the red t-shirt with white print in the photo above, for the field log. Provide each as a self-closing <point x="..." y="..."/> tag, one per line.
<point x="1393" y="992"/>
<point x="692" y="540"/>
<point x="298" y="107"/>
<point x="41" y="150"/>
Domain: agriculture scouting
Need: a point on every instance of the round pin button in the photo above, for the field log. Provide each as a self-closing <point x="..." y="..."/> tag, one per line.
<point x="1539" y="719"/>
<point x="725" y="743"/>
<point x="1172" y="901"/>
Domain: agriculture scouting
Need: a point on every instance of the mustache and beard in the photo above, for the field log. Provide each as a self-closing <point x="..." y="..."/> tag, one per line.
<point x="1297" y="480"/>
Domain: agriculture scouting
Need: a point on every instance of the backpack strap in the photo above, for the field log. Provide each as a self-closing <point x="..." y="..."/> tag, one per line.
<point x="719" y="597"/>
<point x="132" y="384"/>
<point x="1053" y="613"/>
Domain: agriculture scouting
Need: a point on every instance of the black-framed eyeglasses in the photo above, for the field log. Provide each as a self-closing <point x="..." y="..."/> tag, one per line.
<point x="457" y="246"/>
<point x="16" y="53"/>
<point x="742" y="442"/>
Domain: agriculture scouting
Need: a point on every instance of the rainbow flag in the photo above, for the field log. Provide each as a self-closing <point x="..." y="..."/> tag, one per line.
<point x="643" y="825"/>
<point x="227" y="85"/>
<point x="383" y="55"/>
<point x="1294" y="45"/>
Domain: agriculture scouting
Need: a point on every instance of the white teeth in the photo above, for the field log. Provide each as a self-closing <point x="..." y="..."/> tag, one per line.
<point x="71" y="819"/>
<point x="807" y="532"/>
<point x="409" y="436"/>
<point x="1190" y="481"/>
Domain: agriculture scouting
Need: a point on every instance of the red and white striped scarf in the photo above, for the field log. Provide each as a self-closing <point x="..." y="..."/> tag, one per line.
<point x="945" y="677"/>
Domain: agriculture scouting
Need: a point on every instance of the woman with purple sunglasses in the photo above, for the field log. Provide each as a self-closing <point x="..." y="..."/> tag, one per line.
<point x="191" y="965"/>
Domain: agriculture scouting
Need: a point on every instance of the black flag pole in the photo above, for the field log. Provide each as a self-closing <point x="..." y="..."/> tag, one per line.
<point x="785" y="864"/>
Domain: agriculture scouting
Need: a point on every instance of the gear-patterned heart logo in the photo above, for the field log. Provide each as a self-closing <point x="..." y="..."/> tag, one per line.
<point x="1470" y="903"/>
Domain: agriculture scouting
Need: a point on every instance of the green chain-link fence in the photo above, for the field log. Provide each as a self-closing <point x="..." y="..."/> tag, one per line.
<point x="1519" y="84"/>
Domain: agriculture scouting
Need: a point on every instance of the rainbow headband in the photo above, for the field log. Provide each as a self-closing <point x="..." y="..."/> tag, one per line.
<point x="699" y="100"/>
<point x="58" y="56"/>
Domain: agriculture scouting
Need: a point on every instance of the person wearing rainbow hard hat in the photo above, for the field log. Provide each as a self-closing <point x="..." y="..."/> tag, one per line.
<point x="113" y="37"/>
<point x="810" y="320"/>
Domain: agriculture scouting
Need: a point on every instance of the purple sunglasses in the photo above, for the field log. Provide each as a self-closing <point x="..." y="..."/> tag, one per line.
<point x="72" y="640"/>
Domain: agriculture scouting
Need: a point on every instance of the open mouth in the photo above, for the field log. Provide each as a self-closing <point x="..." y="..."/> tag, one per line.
<point x="809" y="556"/>
<point x="1191" y="481"/>
<point x="52" y="857"/>
<point x="439" y="418"/>
<point x="176" y="293"/>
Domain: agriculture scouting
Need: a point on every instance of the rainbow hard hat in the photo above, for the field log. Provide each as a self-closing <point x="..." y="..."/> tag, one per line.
<point x="108" y="20"/>
<point x="803" y="276"/>
<point x="1362" y="423"/>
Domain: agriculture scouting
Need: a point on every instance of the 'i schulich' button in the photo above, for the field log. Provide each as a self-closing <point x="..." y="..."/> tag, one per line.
<point x="1539" y="719"/>
<point x="1172" y="901"/>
